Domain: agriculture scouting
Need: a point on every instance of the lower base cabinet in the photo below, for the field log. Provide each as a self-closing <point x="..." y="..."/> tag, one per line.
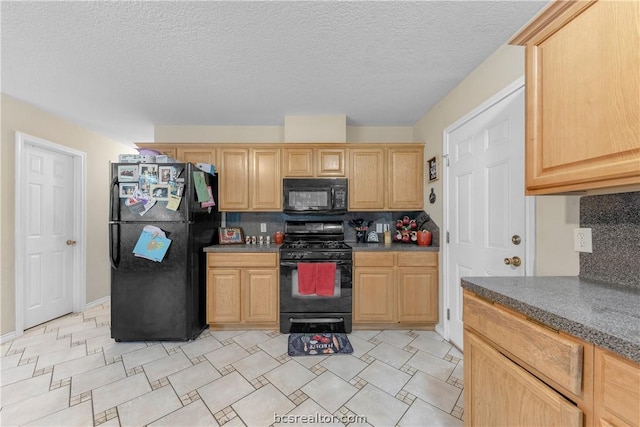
<point x="242" y="290"/>
<point x="395" y="288"/>
<point x="616" y="390"/>
<point x="517" y="373"/>
<point x="500" y="393"/>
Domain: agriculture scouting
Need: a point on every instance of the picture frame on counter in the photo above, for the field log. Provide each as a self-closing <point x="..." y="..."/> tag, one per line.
<point x="231" y="235"/>
<point x="128" y="173"/>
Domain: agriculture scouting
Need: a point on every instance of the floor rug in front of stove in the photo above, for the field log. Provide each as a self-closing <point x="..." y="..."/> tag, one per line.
<point x="322" y="344"/>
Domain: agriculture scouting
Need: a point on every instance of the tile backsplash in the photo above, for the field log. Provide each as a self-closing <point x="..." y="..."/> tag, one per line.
<point x="250" y="222"/>
<point x="614" y="220"/>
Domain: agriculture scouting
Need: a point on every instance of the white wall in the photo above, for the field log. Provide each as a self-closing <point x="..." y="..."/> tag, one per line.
<point x="18" y="116"/>
<point x="272" y="134"/>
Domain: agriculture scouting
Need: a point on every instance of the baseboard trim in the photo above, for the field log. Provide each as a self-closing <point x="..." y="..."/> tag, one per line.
<point x="97" y="303"/>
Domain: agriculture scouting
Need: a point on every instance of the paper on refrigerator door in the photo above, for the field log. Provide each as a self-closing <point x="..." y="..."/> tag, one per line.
<point x="152" y="244"/>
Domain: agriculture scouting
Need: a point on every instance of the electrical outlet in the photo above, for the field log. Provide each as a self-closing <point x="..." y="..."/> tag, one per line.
<point x="263" y="227"/>
<point x="378" y="228"/>
<point x="582" y="240"/>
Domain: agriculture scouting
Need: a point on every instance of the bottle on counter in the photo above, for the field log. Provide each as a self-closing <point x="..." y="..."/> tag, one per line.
<point x="387" y="235"/>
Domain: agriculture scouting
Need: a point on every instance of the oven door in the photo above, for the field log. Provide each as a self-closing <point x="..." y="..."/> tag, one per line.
<point x="292" y="300"/>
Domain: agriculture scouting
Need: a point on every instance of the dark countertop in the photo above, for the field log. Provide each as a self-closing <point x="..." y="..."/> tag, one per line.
<point x="357" y="247"/>
<point x="271" y="247"/>
<point x="395" y="247"/>
<point x="605" y="314"/>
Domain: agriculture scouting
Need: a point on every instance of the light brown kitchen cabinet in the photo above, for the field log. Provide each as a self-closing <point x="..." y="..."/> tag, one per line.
<point x="497" y="392"/>
<point x="234" y="179"/>
<point x="196" y="155"/>
<point x="298" y="162"/>
<point x="542" y="372"/>
<point x="582" y="86"/>
<point x="405" y="178"/>
<point x="265" y="180"/>
<point x="242" y="290"/>
<point x="386" y="179"/>
<point x="616" y="389"/>
<point x="367" y="179"/>
<point x="395" y="289"/>
<point x="250" y="179"/>
<point x="308" y="162"/>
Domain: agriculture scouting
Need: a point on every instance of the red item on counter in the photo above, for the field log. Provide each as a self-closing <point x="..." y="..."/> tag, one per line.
<point x="325" y="278"/>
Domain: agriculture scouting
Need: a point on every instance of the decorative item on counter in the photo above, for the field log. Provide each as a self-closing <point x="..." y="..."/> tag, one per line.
<point x="372" y="237"/>
<point x="387" y="235"/>
<point x="424" y="237"/>
<point x="268" y="240"/>
<point x="278" y="237"/>
<point x="361" y="229"/>
<point x="231" y="235"/>
<point x="407" y="229"/>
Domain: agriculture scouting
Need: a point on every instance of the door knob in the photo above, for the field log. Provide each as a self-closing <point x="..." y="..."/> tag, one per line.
<point x="71" y="242"/>
<point x="515" y="261"/>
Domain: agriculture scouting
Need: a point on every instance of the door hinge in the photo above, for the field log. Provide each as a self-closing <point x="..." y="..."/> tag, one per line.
<point x="447" y="237"/>
<point x="448" y="314"/>
<point x="446" y="159"/>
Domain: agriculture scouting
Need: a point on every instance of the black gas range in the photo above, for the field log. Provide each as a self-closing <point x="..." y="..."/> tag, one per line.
<point x="314" y="240"/>
<point x="310" y="244"/>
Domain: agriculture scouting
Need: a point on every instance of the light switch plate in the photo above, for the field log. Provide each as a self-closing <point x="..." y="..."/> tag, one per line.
<point x="582" y="240"/>
<point x="263" y="227"/>
<point x="378" y="228"/>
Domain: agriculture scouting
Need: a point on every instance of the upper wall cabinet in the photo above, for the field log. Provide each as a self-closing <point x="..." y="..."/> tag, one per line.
<point x="250" y="179"/>
<point x="197" y="155"/>
<point x="583" y="102"/>
<point x="301" y="162"/>
<point x="386" y="178"/>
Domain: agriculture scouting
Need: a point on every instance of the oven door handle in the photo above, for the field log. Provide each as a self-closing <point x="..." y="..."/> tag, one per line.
<point x="295" y="263"/>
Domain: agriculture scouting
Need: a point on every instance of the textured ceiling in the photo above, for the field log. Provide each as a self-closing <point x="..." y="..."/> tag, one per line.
<point x="119" y="68"/>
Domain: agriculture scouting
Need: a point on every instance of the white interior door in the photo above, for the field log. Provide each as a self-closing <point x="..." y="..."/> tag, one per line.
<point x="485" y="208"/>
<point x="49" y="244"/>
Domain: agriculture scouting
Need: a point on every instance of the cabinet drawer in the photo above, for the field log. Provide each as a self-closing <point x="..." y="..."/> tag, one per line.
<point x="417" y="259"/>
<point x="544" y="350"/>
<point x="244" y="259"/>
<point x="373" y="259"/>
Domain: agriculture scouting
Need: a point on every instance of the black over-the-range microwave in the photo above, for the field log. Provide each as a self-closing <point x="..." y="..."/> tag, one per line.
<point x="315" y="195"/>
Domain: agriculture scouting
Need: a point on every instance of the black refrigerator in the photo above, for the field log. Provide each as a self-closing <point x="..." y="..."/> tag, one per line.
<point x="160" y="301"/>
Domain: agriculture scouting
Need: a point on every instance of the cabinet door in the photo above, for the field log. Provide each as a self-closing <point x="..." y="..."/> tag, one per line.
<point x="260" y="295"/>
<point x="197" y="155"/>
<point x="497" y="392"/>
<point x="617" y="390"/>
<point x="266" y="181"/>
<point x="582" y="86"/>
<point x="234" y="179"/>
<point x="373" y="295"/>
<point x="298" y="162"/>
<point x="223" y="296"/>
<point x="366" y="179"/>
<point x="330" y="162"/>
<point x="406" y="171"/>
<point x="417" y="294"/>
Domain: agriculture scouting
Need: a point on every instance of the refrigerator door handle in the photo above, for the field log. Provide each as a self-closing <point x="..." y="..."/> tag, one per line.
<point x="115" y="197"/>
<point x="114" y="245"/>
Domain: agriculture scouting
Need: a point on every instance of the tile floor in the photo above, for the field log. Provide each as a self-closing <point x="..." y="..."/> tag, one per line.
<point x="70" y="372"/>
